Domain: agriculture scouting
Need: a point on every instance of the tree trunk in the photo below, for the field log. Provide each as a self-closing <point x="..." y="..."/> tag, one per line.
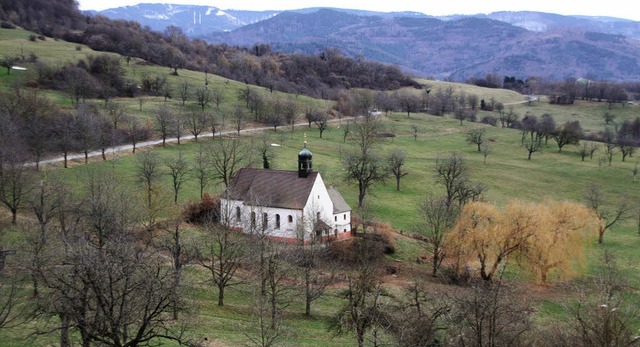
<point x="64" y="331"/>
<point x="307" y="280"/>
<point x="360" y="333"/>
<point x="436" y="260"/>
<point x="65" y="160"/>
<point x="220" y="293"/>
<point x="600" y="235"/>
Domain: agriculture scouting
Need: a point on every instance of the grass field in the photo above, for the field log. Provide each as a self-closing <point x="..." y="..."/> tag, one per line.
<point x="507" y="174"/>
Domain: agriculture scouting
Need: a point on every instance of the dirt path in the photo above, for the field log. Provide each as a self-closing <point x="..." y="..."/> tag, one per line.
<point x="139" y="145"/>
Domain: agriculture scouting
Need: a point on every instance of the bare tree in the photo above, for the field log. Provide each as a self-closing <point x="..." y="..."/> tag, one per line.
<point x="396" y="162"/>
<point x="321" y="120"/>
<point x="148" y="172"/>
<point x="15" y="179"/>
<point x="44" y="202"/>
<point x="435" y="219"/>
<point x="486" y="150"/>
<point x="568" y="134"/>
<point x="184" y="91"/>
<point x="290" y="110"/>
<point x="213" y="120"/>
<point x="182" y="253"/>
<point x="117" y="295"/>
<point x="532" y="143"/>
<point x="476" y="136"/>
<point x="223" y="254"/>
<point x="203" y="97"/>
<point x="179" y="173"/>
<point x="315" y="281"/>
<point x="200" y="169"/>
<point x="603" y="318"/>
<point x="365" y="167"/>
<point x="415" y="130"/>
<point x="227" y="157"/>
<point x="86" y="130"/>
<point x="164" y="122"/>
<point x="239" y="119"/>
<point x="360" y="309"/>
<point x="491" y="315"/>
<point x="419" y="317"/>
<point x="451" y="171"/>
<point x="216" y="96"/>
<point x="196" y="123"/>
<point x="607" y="217"/>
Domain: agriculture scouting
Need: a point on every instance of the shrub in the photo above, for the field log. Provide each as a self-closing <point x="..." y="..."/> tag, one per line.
<point x="78" y="48"/>
<point x="33" y="37"/>
<point x="6" y="25"/>
<point x="207" y="210"/>
<point x="491" y="120"/>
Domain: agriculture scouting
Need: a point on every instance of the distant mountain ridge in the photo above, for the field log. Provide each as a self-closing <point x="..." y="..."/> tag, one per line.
<point x="452" y="47"/>
<point x="194" y="20"/>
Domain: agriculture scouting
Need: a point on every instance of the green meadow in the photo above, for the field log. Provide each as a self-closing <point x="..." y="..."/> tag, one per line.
<point x="506" y="172"/>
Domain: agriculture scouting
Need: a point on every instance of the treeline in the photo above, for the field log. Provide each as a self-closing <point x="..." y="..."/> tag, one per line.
<point x="563" y="92"/>
<point x="318" y="76"/>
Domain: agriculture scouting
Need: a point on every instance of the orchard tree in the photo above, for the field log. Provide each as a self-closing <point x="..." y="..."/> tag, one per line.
<point x="607" y="216"/>
<point x="164" y="122"/>
<point x="568" y="134"/>
<point x="476" y="136"/>
<point x="363" y="166"/>
<point x="222" y="256"/>
<point x="396" y="162"/>
<point x="15" y="179"/>
<point x="435" y="220"/>
<point x="179" y="173"/>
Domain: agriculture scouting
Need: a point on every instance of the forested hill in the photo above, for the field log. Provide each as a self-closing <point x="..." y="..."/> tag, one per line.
<point x="320" y="75"/>
<point x="456" y="49"/>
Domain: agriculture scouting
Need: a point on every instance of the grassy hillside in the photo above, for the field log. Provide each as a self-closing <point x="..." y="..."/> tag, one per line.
<point x="507" y="174"/>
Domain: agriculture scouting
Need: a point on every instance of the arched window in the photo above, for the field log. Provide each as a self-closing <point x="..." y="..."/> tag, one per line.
<point x="253" y="219"/>
<point x="238" y="214"/>
<point x="290" y="219"/>
<point x="265" y="221"/>
<point x="277" y="221"/>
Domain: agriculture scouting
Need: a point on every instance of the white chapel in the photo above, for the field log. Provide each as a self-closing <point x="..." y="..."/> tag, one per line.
<point x="292" y="206"/>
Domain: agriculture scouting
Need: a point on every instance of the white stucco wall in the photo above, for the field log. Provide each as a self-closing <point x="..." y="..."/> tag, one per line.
<point x="287" y="228"/>
<point x="318" y="201"/>
<point x="342" y="222"/>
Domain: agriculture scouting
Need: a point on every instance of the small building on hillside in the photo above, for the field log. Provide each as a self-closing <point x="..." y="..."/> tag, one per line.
<point x="292" y="206"/>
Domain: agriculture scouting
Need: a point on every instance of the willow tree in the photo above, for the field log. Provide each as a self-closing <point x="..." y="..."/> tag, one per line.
<point x="543" y="237"/>
<point x="488" y="236"/>
<point x="558" y="243"/>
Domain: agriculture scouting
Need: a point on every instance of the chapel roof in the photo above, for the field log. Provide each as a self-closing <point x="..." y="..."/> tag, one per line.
<point x="271" y="188"/>
<point x="339" y="204"/>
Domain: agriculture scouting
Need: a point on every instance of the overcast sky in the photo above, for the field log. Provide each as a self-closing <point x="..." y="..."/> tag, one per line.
<point x="611" y="8"/>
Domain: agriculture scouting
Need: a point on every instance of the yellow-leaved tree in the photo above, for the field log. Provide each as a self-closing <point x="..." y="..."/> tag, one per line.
<point x="559" y="241"/>
<point x="542" y="236"/>
<point x="488" y="236"/>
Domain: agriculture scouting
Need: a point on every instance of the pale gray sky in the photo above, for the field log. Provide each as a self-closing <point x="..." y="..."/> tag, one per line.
<point x="611" y="8"/>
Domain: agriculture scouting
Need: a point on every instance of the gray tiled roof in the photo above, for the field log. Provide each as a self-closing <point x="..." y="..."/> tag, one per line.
<point x="271" y="188"/>
<point x="339" y="205"/>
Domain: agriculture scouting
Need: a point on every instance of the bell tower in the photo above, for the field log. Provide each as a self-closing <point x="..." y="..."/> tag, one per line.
<point x="305" y="163"/>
